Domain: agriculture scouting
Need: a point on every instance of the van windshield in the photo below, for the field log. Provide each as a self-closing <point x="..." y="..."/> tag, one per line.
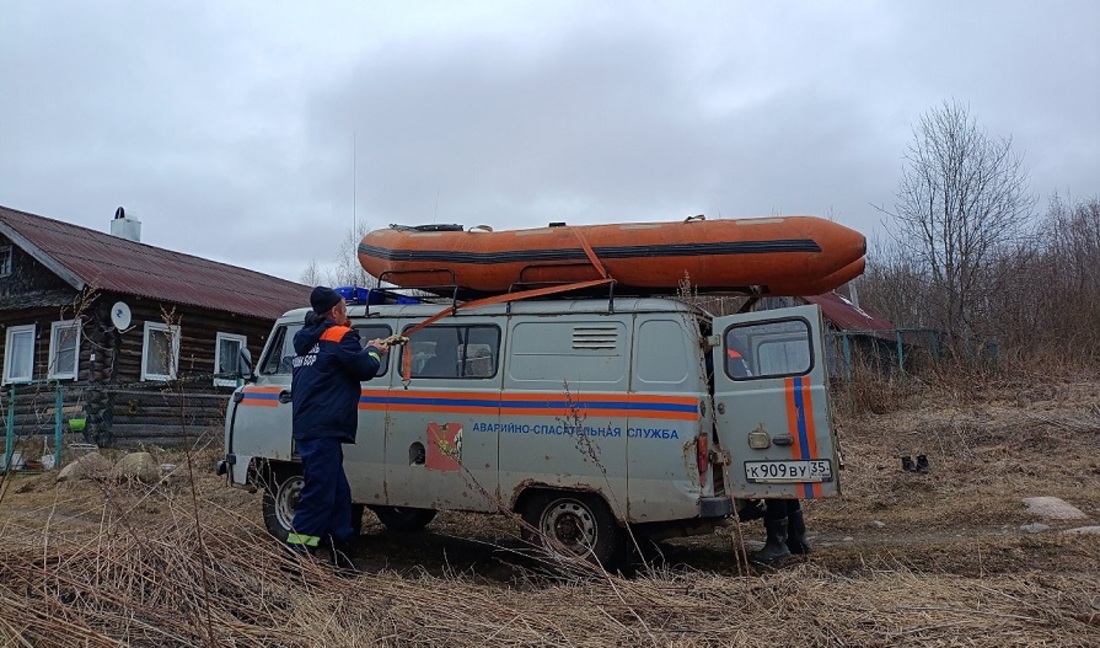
<point x="280" y="352"/>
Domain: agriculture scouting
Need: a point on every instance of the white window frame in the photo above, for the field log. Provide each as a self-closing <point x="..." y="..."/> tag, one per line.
<point x="173" y="332"/>
<point x="53" y="372"/>
<point x="6" y="264"/>
<point x="12" y="332"/>
<point x="231" y="337"/>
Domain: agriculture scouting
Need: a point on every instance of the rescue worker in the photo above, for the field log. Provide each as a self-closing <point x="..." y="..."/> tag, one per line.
<point x="783" y="521"/>
<point x="786" y="532"/>
<point x="328" y="368"/>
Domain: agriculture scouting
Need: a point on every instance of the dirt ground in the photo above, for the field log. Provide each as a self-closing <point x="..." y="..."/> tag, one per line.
<point x="938" y="558"/>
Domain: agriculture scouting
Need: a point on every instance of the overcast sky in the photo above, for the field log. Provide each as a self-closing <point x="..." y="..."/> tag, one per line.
<point x="227" y="127"/>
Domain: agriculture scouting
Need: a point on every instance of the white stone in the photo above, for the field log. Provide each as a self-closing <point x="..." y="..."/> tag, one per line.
<point x="139" y="466"/>
<point x="878" y="524"/>
<point x="1053" y="508"/>
<point x="89" y="466"/>
<point x="1034" y="527"/>
<point x="1089" y="530"/>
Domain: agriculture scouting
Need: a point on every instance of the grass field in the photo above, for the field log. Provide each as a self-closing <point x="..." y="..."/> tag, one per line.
<point x="903" y="558"/>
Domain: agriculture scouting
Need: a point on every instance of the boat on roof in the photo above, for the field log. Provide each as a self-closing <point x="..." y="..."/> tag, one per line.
<point x="789" y="255"/>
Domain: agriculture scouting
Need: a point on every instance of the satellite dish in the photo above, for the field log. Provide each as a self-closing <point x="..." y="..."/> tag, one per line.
<point x="120" y="315"/>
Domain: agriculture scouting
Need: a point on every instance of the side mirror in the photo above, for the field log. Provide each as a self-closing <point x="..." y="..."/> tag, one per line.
<point x="244" y="365"/>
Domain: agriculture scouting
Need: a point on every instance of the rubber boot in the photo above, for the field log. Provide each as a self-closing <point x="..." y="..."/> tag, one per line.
<point x="298" y="556"/>
<point x="303" y="551"/>
<point x="341" y="557"/>
<point x="775" y="546"/>
<point x="796" y="533"/>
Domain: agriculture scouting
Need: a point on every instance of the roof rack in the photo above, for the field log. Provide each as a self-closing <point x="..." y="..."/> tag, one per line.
<point x="523" y="284"/>
<point x="443" y="287"/>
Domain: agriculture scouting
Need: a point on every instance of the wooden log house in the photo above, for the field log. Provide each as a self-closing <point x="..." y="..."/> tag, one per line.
<point x="138" y="340"/>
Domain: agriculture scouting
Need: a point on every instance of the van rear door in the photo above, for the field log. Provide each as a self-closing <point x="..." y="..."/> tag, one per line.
<point x="771" y="408"/>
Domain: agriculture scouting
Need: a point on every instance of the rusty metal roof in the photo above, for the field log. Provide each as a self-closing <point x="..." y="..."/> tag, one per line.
<point x="846" y="316"/>
<point x="86" y="257"/>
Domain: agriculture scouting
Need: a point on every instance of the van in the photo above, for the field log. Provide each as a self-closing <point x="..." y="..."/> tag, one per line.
<point x="587" y="417"/>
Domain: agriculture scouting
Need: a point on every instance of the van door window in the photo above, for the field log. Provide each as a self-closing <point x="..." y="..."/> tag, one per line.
<point x="769" y="350"/>
<point x="465" y="352"/>
<point x="280" y="352"/>
<point x="370" y="332"/>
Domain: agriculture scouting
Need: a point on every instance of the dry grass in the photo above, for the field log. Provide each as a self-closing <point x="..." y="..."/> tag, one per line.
<point x="186" y="563"/>
<point x="216" y="580"/>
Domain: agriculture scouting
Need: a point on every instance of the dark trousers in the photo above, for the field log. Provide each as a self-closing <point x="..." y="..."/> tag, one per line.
<point x="324" y="509"/>
<point x="779" y="509"/>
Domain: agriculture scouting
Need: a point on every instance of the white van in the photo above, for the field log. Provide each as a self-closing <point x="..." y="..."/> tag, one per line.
<point x="585" y="416"/>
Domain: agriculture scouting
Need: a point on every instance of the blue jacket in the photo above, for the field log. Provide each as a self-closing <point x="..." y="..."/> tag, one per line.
<point x="325" y="380"/>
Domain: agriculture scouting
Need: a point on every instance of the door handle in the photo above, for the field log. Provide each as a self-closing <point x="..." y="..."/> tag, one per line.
<point x="783" y="440"/>
<point x="285" y="396"/>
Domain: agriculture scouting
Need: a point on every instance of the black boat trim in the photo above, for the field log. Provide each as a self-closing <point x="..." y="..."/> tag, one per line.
<point x="574" y="254"/>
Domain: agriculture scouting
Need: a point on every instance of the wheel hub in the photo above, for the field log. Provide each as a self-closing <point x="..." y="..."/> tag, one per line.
<point x="290" y="493"/>
<point x="570" y="524"/>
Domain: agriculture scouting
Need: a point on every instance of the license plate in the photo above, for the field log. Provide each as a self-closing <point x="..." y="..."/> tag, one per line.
<point x="789" y="472"/>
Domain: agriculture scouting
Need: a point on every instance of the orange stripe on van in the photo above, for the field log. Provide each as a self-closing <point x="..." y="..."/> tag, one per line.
<point x="254" y="396"/>
<point x="678" y="408"/>
<point x="792" y="418"/>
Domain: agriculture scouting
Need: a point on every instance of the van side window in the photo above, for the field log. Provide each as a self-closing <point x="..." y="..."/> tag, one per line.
<point x="370" y="332"/>
<point x="544" y="353"/>
<point x="464" y="352"/>
<point x="660" y="358"/>
<point x="280" y="352"/>
<point x="768" y="350"/>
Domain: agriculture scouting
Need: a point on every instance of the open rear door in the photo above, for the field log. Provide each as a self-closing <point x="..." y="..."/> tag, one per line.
<point x="771" y="407"/>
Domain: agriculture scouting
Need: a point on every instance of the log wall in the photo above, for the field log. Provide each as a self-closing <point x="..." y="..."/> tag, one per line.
<point x="120" y="408"/>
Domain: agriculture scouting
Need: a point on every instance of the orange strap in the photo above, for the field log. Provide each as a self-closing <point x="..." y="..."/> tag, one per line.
<point x="406" y="364"/>
<point x="591" y="254"/>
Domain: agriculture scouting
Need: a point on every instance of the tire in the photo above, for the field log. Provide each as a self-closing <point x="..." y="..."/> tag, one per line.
<point x="402" y="519"/>
<point x="575" y="525"/>
<point x="281" y="496"/>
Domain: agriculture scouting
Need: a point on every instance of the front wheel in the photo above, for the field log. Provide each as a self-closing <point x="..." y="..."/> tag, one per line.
<point x="281" y="495"/>
<point x="403" y="519"/>
<point x="575" y="525"/>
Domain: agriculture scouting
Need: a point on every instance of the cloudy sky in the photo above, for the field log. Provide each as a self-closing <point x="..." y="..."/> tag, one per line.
<point x="228" y="127"/>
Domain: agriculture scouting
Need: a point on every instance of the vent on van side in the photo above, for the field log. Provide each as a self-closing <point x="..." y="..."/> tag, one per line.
<point x="595" y="337"/>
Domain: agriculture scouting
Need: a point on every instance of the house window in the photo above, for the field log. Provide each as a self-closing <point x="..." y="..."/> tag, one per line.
<point x="227" y="350"/>
<point x="19" y="354"/>
<point x="5" y="261"/>
<point x="160" y="352"/>
<point x="64" y="350"/>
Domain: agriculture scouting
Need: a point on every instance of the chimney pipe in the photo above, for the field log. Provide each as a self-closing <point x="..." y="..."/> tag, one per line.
<point x="126" y="227"/>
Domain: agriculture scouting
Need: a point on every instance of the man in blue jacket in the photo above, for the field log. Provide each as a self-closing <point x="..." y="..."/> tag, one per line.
<point x="325" y="385"/>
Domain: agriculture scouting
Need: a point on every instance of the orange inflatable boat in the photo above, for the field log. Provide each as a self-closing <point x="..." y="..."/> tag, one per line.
<point x="792" y="255"/>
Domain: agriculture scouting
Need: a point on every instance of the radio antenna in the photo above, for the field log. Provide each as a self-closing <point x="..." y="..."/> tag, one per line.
<point x="354" y="177"/>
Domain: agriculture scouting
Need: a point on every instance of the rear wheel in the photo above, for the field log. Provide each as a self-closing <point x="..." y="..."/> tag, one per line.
<point x="403" y="519"/>
<point x="575" y="525"/>
<point x="281" y="495"/>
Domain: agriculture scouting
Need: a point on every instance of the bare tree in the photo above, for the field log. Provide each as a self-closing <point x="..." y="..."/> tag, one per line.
<point x="963" y="197"/>
<point x="346" y="271"/>
<point x="312" y="275"/>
